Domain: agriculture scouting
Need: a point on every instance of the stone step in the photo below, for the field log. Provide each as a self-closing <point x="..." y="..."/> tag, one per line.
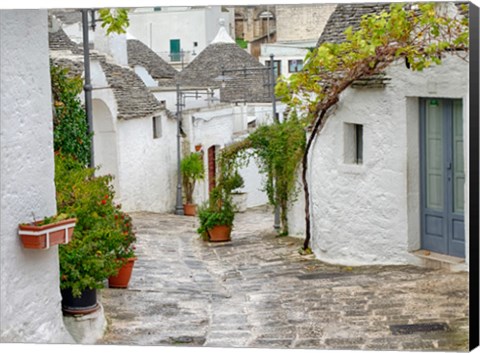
<point x="435" y="260"/>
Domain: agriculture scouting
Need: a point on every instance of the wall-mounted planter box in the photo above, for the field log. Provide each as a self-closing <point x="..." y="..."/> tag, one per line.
<point x="35" y="236"/>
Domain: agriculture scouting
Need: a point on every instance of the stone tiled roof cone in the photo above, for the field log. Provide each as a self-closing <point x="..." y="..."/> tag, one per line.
<point x="224" y="53"/>
<point x="133" y="98"/>
<point x="346" y="15"/>
<point x="140" y="54"/>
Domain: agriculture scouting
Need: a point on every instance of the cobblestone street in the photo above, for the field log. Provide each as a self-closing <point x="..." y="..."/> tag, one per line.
<point x="258" y="291"/>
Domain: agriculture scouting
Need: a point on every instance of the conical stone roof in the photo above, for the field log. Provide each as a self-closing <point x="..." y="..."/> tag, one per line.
<point x="202" y="71"/>
<point x="140" y="54"/>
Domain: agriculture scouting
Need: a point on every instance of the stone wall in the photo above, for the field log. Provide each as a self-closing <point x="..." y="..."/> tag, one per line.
<point x="302" y="22"/>
<point x="30" y="295"/>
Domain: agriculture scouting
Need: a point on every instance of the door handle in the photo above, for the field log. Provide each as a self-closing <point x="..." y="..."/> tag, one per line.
<point x="449" y="166"/>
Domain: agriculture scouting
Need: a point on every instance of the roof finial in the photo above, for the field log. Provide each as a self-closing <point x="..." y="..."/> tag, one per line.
<point x="222" y="35"/>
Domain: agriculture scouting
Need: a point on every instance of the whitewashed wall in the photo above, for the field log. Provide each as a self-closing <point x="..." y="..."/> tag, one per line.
<point x="30" y="302"/>
<point x="284" y="52"/>
<point x="368" y="214"/>
<point x="190" y="25"/>
<point x="113" y="44"/>
<point x="147" y="166"/>
<point x="144" y="168"/>
<point x="104" y="112"/>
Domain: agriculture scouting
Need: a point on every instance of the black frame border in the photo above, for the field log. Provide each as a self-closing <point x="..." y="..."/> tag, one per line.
<point x="474" y="175"/>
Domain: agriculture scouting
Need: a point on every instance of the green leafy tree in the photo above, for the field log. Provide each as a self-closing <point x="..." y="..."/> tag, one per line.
<point x="422" y="35"/>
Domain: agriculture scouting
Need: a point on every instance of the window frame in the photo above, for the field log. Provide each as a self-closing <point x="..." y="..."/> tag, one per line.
<point x="296" y="66"/>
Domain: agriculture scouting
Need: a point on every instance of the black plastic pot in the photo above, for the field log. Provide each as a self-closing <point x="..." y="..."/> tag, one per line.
<point x="85" y="304"/>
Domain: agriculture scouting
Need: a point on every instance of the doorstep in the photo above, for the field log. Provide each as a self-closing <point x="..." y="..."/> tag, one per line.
<point x="435" y="260"/>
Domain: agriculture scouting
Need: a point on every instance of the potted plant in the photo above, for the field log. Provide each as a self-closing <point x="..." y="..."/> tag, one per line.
<point x="192" y="171"/>
<point x="239" y="199"/>
<point x="216" y="220"/>
<point x="91" y="257"/>
<point x="125" y="253"/>
<point x="47" y="232"/>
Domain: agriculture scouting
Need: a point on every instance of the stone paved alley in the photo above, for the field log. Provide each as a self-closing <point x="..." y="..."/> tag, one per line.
<point x="257" y="291"/>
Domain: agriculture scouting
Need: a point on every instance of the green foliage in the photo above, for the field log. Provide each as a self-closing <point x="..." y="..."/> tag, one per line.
<point x="53" y="219"/>
<point x="242" y="43"/>
<point x="219" y="210"/>
<point x="103" y="235"/>
<point x="278" y="149"/>
<point x="422" y="36"/>
<point x="116" y="20"/>
<point x="70" y="129"/>
<point x="192" y="170"/>
<point x="214" y="213"/>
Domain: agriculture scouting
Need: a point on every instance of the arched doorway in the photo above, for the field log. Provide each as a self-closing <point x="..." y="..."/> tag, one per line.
<point x="105" y="142"/>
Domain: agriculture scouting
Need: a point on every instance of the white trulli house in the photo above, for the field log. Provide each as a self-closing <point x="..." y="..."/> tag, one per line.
<point x="388" y="172"/>
<point x="134" y="139"/>
<point x="214" y="113"/>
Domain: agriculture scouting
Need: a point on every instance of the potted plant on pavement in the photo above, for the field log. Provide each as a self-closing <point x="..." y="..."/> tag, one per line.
<point x="192" y="171"/>
<point x="239" y="198"/>
<point x="125" y="252"/>
<point x="90" y="257"/>
<point x="216" y="217"/>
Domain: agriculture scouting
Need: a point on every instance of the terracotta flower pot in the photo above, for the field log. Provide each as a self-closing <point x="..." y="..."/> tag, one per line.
<point x="35" y="236"/>
<point x="189" y="209"/>
<point x="122" y="279"/>
<point x="198" y="148"/>
<point x="220" y="233"/>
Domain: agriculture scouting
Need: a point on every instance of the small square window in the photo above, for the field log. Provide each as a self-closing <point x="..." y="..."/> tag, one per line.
<point x="295" y="65"/>
<point x="157" y="127"/>
<point x="353" y="143"/>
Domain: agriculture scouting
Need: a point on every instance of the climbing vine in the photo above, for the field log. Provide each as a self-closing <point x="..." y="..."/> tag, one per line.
<point x="420" y="34"/>
<point x="70" y="130"/>
<point x="277" y="149"/>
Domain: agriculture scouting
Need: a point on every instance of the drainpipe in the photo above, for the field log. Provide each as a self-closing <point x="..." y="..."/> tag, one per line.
<point x="87" y="86"/>
<point x="179" y="206"/>
<point x="276" y="221"/>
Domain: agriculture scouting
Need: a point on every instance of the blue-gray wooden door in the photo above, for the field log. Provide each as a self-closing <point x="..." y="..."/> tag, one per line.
<point x="442" y="176"/>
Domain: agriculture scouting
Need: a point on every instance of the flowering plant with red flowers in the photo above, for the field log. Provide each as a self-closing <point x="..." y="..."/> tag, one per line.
<point x="126" y="250"/>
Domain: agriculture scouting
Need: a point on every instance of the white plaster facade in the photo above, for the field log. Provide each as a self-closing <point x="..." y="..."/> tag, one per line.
<point x="114" y="45"/>
<point x="30" y="302"/>
<point x="286" y="52"/>
<point x="369" y="213"/>
<point x="190" y="25"/>
<point x="221" y="125"/>
<point x="143" y="166"/>
<point x="148" y="165"/>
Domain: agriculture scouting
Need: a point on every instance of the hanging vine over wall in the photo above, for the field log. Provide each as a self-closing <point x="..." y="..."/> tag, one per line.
<point x="422" y="35"/>
<point x="277" y="149"/>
